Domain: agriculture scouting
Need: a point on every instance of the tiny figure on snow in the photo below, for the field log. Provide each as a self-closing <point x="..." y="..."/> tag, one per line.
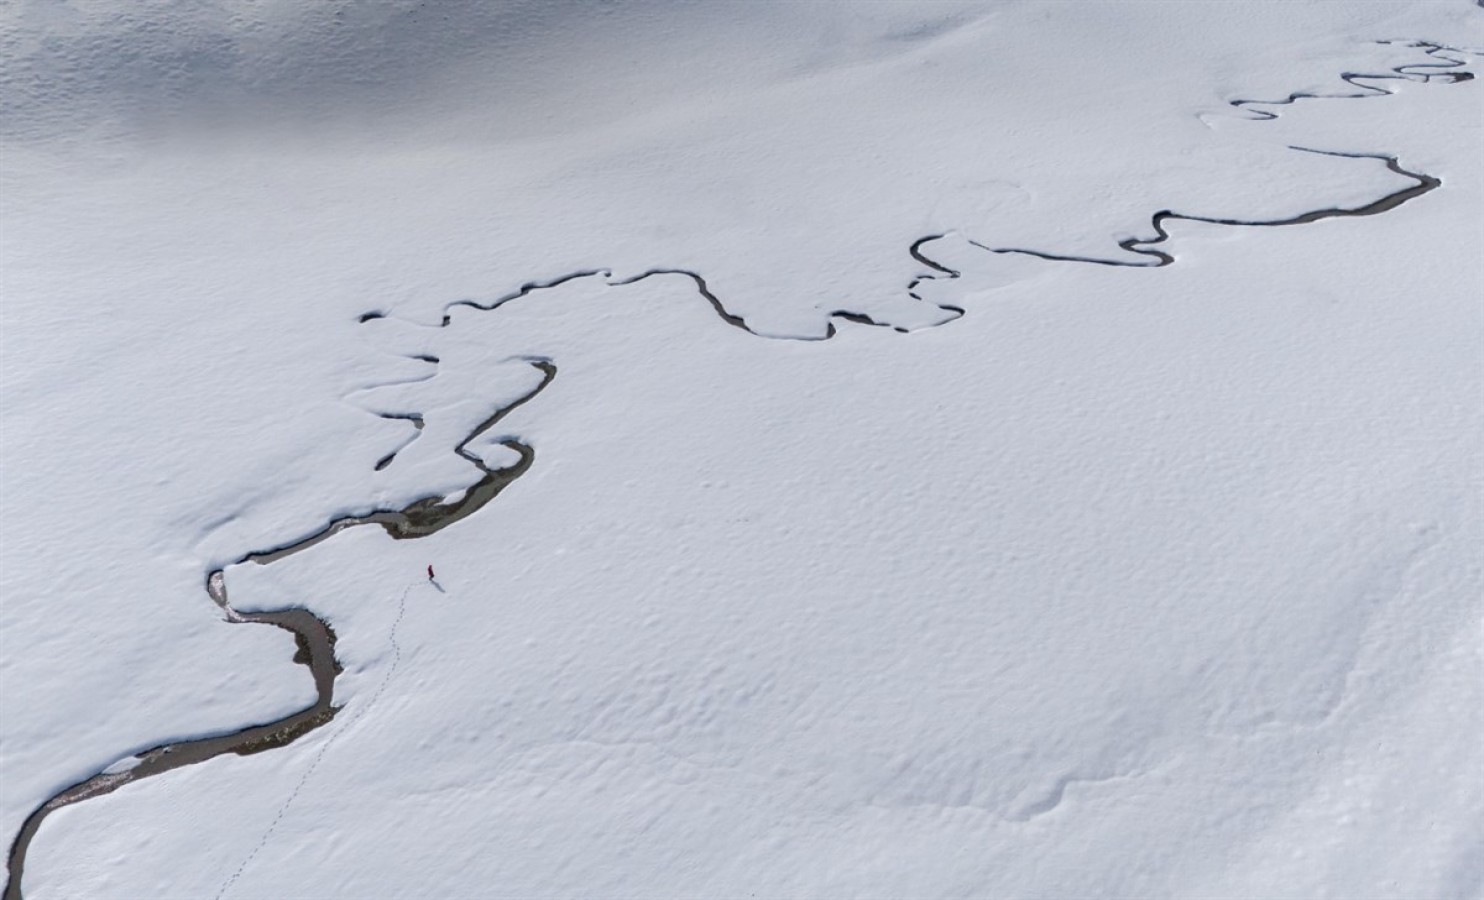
<point x="431" y="576"/>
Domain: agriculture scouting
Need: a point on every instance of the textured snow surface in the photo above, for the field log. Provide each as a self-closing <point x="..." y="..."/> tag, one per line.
<point x="1125" y="582"/>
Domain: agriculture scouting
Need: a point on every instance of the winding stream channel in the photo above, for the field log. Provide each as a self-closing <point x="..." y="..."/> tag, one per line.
<point x="429" y="515"/>
<point x="314" y="636"/>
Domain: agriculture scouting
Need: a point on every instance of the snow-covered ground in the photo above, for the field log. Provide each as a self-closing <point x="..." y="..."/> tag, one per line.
<point x="1128" y="581"/>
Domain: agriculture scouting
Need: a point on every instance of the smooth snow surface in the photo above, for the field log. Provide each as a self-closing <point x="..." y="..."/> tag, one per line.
<point x="1074" y="578"/>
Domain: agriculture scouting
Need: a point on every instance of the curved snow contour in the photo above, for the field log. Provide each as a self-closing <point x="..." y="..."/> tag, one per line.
<point x="314" y="636"/>
<point x="428" y="515"/>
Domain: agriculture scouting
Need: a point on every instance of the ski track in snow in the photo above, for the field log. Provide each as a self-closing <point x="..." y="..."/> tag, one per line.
<point x="430" y="514"/>
<point x="396" y="662"/>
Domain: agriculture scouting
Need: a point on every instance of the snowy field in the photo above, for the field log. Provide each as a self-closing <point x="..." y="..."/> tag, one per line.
<point x="952" y="449"/>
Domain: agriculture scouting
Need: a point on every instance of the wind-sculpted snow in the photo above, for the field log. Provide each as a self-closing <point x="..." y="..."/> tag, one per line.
<point x="883" y="223"/>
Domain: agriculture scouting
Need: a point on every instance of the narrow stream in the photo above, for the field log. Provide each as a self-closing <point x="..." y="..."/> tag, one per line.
<point x="315" y="638"/>
<point x="1145" y="247"/>
<point x="1445" y="65"/>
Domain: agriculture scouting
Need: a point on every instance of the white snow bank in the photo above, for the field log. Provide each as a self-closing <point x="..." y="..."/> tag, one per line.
<point x="1122" y="583"/>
